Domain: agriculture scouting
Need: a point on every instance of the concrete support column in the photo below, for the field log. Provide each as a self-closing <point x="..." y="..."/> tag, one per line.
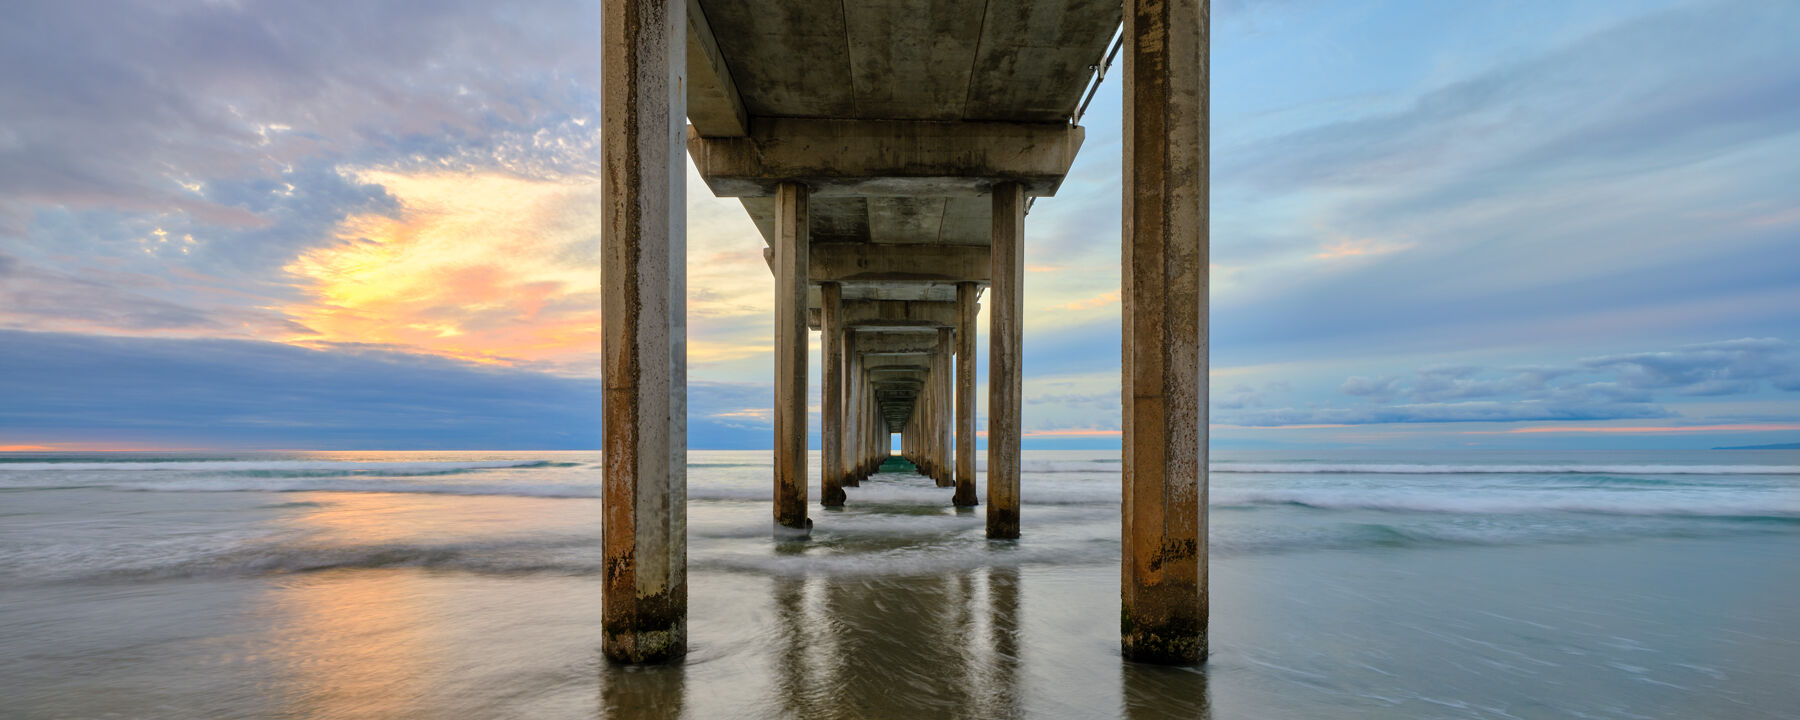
<point x="880" y="441"/>
<point x="1165" y="331"/>
<point x="831" y="395"/>
<point x="917" y="423"/>
<point x="849" y="458"/>
<point x="944" y="419"/>
<point x="965" y="396"/>
<point x="1005" y="340"/>
<point x="791" y="240"/>
<point x="643" y="279"/>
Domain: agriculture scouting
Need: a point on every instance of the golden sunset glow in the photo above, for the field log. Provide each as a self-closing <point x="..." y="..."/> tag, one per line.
<point x="487" y="268"/>
<point x="1098" y="301"/>
<point x="1356" y="247"/>
<point x="1071" y="433"/>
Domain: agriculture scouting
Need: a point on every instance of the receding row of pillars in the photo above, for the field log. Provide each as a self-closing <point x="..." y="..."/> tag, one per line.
<point x="926" y="439"/>
<point x="644" y="346"/>
<point x="933" y="411"/>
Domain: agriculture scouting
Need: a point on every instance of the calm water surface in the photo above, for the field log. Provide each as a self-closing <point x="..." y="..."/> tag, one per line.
<point x="465" y="585"/>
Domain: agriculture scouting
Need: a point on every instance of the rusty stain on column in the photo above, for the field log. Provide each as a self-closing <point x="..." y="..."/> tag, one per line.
<point x="1005" y="336"/>
<point x="791" y="241"/>
<point x="643" y="279"/>
<point x="1163" y="586"/>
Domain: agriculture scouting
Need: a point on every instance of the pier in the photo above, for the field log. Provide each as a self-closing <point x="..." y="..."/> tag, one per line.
<point x="889" y="153"/>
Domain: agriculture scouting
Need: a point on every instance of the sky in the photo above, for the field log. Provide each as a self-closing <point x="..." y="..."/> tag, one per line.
<point x="1481" y="224"/>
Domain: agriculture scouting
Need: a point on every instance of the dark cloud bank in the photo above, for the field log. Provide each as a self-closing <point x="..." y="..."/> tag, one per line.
<point x="243" y="394"/>
<point x="1608" y="387"/>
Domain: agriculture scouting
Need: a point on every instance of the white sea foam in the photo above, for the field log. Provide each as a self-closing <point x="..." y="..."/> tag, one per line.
<point x="1113" y="467"/>
<point x="273" y="467"/>
<point x="1738" y="505"/>
<point x="1409" y="469"/>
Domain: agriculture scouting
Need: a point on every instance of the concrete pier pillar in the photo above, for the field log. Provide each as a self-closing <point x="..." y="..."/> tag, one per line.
<point x="879" y="440"/>
<point x="944" y="417"/>
<point x="920" y="409"/>
<point x="643" y="278"/>
<point x="849" y="454"/>
<point x="790" y="240"/>
<point x="965" y="396"/>
<point x="1005" y="339"/>
<point x="831" y="395"/>
<point x="1163" y="613"/>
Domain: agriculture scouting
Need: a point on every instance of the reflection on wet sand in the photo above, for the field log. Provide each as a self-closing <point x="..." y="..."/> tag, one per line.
<point x="999" y="697"/>
<point x="858" y="647"/>
<point x="642" y="691"/>
<point x="1156" y="691"/>
<point x="353" y="644"/>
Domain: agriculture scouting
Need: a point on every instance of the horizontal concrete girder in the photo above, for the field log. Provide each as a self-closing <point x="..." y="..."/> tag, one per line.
<point x="1019" y="61"/>
<point x="851" y="262"/>
<point x="893" y="314"/>
<point x="925" y="286"/>
<point x="886" y="157"/>
<point x="884" y="343"/>
<point x="873" y="363"/>
<point x="713" y="103"/>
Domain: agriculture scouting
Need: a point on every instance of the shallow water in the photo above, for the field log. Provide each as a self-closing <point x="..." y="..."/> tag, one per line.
<point x="1659" y="584"/>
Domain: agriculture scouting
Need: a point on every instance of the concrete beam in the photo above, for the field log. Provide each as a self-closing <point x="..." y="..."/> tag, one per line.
<point x="879" y="343"/>
<point x="872" y="363"/>
<point x="891" y="315"/>
<point x="886" y="157"/>
<point x="713" y="103"/>
<point x="899" y="314"/>
<point x="868" y="262"/>
<point x="643" y="346"/>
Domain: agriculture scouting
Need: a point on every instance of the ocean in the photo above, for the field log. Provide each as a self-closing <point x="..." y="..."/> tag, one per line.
<point x="1344" y="584"/>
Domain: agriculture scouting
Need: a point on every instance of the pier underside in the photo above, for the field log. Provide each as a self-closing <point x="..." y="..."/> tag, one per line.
<point x="889" y="153"/>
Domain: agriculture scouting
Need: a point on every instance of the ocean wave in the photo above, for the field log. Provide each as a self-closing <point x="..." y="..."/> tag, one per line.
<point x="1410" y="469"/>
<point x="1685" y="505"/>
<point x="1113" y="467"/>
<point x="578" y="554"/>
<point x="282" y="468"/>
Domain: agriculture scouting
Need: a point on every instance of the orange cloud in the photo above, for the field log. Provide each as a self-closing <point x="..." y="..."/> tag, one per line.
<point x="83" y="447"/>
<point x="1101" y="300"/>
<point x="1071" y="433"/>
<point x="487" y="268"/>
<point x="1353" y="248"/>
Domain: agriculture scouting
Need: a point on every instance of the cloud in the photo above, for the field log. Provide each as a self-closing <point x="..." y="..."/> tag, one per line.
<point x="482" y="267"/>
<point x="204" y="145"/>
<point x="1609" y="387"/>
<point x="1732" y="367"/>
<point x="1599" y="185"/>
<point x="1474" y="411"/>
<point x="92" y="391"/>
<point x="234" y="393"/>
